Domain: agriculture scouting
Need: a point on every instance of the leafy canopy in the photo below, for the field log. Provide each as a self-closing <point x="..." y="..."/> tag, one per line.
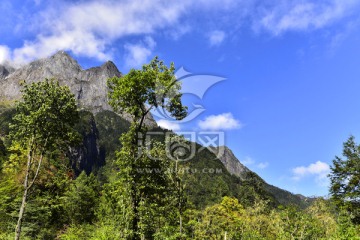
<point x="154" y="85"/>
<point x="46" y="113"/>
<point x="136" y="93"/>
<point x="43" y="123"/>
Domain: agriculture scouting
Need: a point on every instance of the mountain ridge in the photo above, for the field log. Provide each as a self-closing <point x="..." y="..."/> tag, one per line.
<point x="90" y="89"/>
<point x="232" y="164"/>
<point x="89" y="86"/>
<point x="235" y="167"/>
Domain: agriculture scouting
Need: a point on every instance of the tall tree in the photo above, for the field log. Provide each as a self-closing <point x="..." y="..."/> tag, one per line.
<point x="136" y="93"/>
<point x="345" y="179"/>
<point x="81" y="200"/>
<point x="43" y="122"/>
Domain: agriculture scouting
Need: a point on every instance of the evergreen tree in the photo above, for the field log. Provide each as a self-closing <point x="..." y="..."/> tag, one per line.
<point x="81" y="200"/>
<point x="345" y="179"/>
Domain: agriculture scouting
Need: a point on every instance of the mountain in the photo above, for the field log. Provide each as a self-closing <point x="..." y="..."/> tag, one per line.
<point x="5" y="70"/>
<point x="235" y="167"/>
<point x="101" y="129"/>
<point x="88" y="86"/>
<point x="232" y="164"/>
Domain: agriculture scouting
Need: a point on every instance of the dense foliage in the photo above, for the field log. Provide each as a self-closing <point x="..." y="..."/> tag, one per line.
<point x="149" y="194"/>
<point x="345" y="180"/>
<point x="43" y="123"/>
<point x="89" y="191"/>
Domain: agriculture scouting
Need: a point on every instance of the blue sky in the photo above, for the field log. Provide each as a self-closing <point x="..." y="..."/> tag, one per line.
<point x="291" y="94"/>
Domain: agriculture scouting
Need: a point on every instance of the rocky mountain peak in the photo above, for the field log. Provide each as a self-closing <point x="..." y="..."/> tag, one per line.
<point x="5" y="70"/>
<point x="109" y="65"/>
<point x="232" y="164"/>
<point x="88" y="86"/>
<point x="63" y="59"/>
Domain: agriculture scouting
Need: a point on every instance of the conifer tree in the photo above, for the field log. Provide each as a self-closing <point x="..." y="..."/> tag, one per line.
<point x="345" y="179"/>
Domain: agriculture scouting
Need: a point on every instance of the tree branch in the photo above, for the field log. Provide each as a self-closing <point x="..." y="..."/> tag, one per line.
<point x="144" y="113"/>
<point x="39" y="165"/>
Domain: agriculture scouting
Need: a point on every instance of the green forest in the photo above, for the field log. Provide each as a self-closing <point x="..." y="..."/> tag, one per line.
<point x="127" y="190"/>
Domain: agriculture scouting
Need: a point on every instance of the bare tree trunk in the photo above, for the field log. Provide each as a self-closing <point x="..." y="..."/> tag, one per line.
<point x="23" y="202"/>
<point x="27" y="186"/>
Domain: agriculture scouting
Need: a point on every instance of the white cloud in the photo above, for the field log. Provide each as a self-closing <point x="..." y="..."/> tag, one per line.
<point x="216" y="37"/>
<point x="302" y="15"/>
<point x="89" y="28"/>
<point x="247" y="161"/>
<point x="168" y="125"/>
<point x="339" y="37"/>
<point x="314" y="168"/>
<point x="138" y="54"/>
<point x="262" y="165"/>
<point x="4" y="54"/>
<point x="80" y="43"/>
<point x="221" y="121"/>
<point x="319" y="170"/>
<point x="179" y="31"/>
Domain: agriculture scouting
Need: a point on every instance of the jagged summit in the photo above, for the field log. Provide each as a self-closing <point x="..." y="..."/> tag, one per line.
<point x="89" y="86"/>
<point x="5" y="70"/>
<point x="232" y="164"/>
<point x="108" y="65"/>
<point x="62" y="58"/>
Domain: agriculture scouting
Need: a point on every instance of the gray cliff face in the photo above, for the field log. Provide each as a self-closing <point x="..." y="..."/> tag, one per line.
<point x="88" y="86"/>
<point x="90" y="90"/>
<point x="5" y="70"/>
<point x="88" y="155"/>
<point x="232" y="164"/>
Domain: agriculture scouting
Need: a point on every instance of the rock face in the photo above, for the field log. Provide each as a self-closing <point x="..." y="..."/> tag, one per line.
<point x="232" y="164"/>
<point x="5" y="70"/>
<point x="88" y="155"/>
<point x="90" y="89"/>
<point x="88" y="86"/>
